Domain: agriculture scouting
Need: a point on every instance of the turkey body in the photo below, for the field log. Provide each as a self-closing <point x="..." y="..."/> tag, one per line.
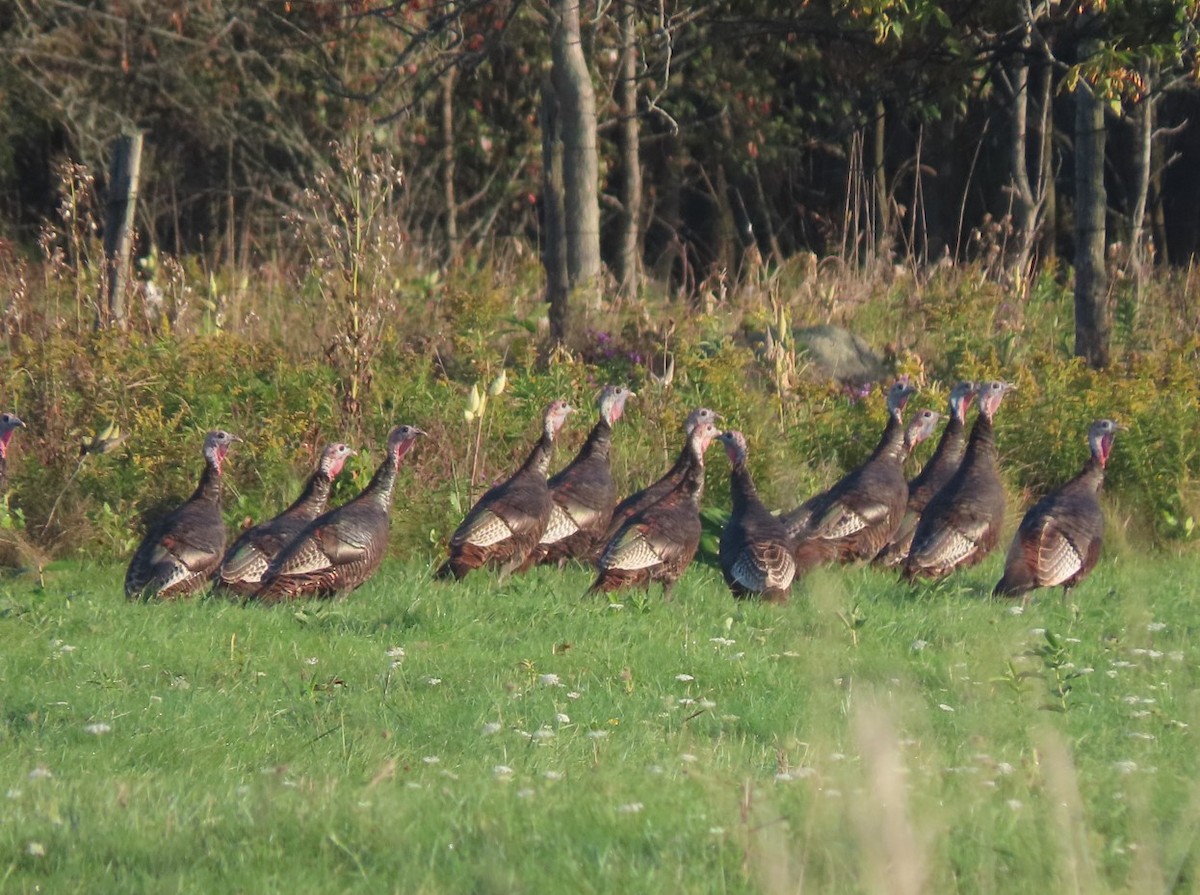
<point x="9" y="423"/>
<point x="180" y="553"/>
<point x="508" y="521"/>
<point x="659" y="542"/>
<point x="961" y="523"/>
<point x="583" y="493"/>
<point x="248" y="558"/>
<point x="755" y="551"/>
<point x="343" y="547"/>
<point x="934" y="475"/>
<point x="1058" y="541"/>
<point x="861" y="512"/>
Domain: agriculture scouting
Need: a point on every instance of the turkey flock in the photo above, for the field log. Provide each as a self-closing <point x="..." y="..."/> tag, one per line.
<point x="948" y="516"/>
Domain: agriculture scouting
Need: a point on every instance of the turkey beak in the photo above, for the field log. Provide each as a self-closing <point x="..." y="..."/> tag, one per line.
<point x="20" y="423"/>
<point x="417" y="431"/>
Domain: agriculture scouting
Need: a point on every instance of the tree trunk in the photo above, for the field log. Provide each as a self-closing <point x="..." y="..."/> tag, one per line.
<point x="1143" y="124"/>
<point x="1092" y="327"/>
<point x="580" y="162"/>
<point x="629" y="248"/>
<point x="1046" y="188"/>
<point x="883" y="247"/>
<point x="554" y="242"/>
<point x="118" y="227"/>
<point x="449" y="78"/>
<point x="1024" y="205"/>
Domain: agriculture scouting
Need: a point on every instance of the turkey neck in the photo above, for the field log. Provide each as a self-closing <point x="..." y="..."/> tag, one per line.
<point x="693" y="476"/>
<point x="598" y="441"/>
<point x="891" y="445"/>
<point x="314" y="496"/>
<point x="539" y="458"/>
<point x="209" y="488"/>
<point x="1089" y="479"/>
<point x="981" y="446"/>
<point x="949" y="449"/>
<point x="379" y="489"/>
<point x="742" y="491"/>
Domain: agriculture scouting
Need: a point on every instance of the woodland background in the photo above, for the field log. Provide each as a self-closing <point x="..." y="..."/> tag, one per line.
<point x="353" y="210"/>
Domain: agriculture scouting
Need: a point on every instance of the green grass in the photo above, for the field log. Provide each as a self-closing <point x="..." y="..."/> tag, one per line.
<point x="867" y="737"/>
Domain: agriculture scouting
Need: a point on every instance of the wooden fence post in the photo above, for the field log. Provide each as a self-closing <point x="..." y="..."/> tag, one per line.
<point x="118" y="228"/>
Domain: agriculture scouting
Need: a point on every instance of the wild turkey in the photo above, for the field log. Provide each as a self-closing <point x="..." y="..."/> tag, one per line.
<point x="583" y="493"/>
<point x="508" y="521"/>
<point x="799" y="522"/>
<point x="181" y="552"/>
<point x="9" y="423"/>
<point x="342" y="547"/>
<point x="653" y="493"/>
<point x="860" y="513"/>
<point x="245" y="562"/>
<point x="933" y="475"/>
<point x="659" y="542"/>
<point x="961" y="523"/>
<point x="1058" y="541"/>
<point x="755" y="550"/>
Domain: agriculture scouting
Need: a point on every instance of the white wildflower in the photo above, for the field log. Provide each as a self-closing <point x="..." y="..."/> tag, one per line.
<point x="553" y="775"/>
<point x="502" y="770"/>
<point x="431" y="759"/>
<point x="918" y="645"/>
<point x="946" y="708"/>
<point x="562" y="718"/>
<point x="687" y="757"/>
<point x="311" y="660"/>
<point x="1125" y="766"/>
<point x="684" y="677"/>
<point x="525" y="792"/>
<point x="490" y="728"/>
<point x="433" y="681"/>
<point x="396" y="652"/>
<point x="98" y="728"/>
<point x="1155" y="627"/>
<point x="35" y="850"/>
<point x="573" y="694"/>
<point x="549" y="680"/>
<point x="597" y="734"/>
<point x="631" y="808"/>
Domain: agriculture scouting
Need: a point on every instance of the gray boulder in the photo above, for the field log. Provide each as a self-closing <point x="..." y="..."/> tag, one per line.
<point x="837" y="353"/>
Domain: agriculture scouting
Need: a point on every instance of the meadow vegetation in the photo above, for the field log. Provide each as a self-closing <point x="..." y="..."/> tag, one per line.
<point x="423" y="737"/>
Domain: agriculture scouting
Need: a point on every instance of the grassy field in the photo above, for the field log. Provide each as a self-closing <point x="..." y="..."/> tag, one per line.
<point x="487" y="737"/>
